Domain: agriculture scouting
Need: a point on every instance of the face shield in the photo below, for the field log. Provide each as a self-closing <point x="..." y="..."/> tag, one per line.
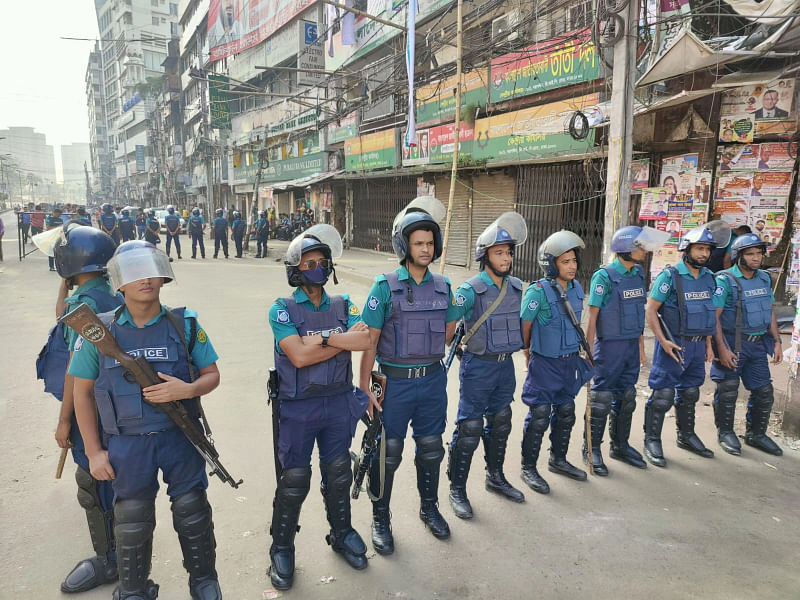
<point x="720" y="231"/>
<point x="651" y="239"/>
<point x="428" y="204"/>
<point x="141" y="262"/>
<point x="326" y="234"/>
<point x="509" y="227"/>
<point x="560" y="242"/>
<point x="48" y="240"/>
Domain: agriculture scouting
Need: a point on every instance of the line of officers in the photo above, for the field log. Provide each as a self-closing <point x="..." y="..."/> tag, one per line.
<point x="409" y="317"/>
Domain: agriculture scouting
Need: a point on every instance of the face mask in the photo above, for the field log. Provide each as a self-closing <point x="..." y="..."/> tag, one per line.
<point x="317" y="276"/>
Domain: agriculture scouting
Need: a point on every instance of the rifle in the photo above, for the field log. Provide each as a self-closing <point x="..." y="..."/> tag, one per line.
<point x="91" y="329"/>
<point x="455" y="345"/>
<point x="273" y="386"/>
<point x="668" y="335"/>
<point x="369" y="443"/>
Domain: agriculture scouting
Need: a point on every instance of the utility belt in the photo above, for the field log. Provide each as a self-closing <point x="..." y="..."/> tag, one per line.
<point x="494" y="357"/>
<point x="570" y="355"/>
<point x="694" y="338"/>
<point x="410" y="372"/>
<point x="748" y="338"/>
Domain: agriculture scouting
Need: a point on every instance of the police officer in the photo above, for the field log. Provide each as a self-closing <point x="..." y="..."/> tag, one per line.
<point x="262" y="234"/>
<point x="746" y="333"/>
<point x="238" y="227"/>
<point x="173" y="224"/>
<point x="141" y="223"/>
<point x="314" y="335"/>
<point x="126" y="226"/>
<point x="152" y="232"/>
<point x="109" y="223"/>
<point x="487" y="368"/>
<point x="83" y="217"/>
<point x="80" y="259"/>
<point x="141" y="438"/>
<point x="616" y="319"/>
<point x="197" y="225"/>
<point x="220" y="230"/>
<point x="683" y="296"/>
<point x="411" y="313"/>
<point x="53" y="221"/>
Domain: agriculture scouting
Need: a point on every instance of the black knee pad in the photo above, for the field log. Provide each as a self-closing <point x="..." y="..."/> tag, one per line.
<point x="394" y="454"/>
<point x="134" y="520"/>
<point x="728" y="390"/>
<point x="540" y="417"/>
<point x="689" y="395"/>
<point x="338" y="473"/>
<point x="565" y="415"/>
<point x="601" y="402"/>
<point x="191" y="513"/>
<point x="430" y="450"/>
<point x="469" y="433"/>
<point x="294" y="485"/>
<point x="88" y="497"/>
<point x="628" y="401"/>
<point x="663" y="399"/>
<point x="501" y="422"/>
<point x="764" y="394"/>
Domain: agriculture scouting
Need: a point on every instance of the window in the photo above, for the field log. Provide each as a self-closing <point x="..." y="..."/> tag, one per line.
<point x="156" y="21"/>
<point x="173" y="9"/>
<point x="154" y="2"/>
<point x="174" y="29"/>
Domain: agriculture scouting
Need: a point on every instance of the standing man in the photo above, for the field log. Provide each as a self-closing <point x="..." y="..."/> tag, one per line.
<point x="141" y="223"/>
<point x="152" y="232"/>
<point x="53" y="221"/>
<point x="556" y="372"/>
<point x="617" y="299"/>
<point x="83" y="217"/>
<point x="141" y="438"/>
<point x="747" y="333"/>
<point x="682" y="298"/>
<point x="109" y="223"/>
<point x="220" y="229"/>
<point x="126" y="226"/>
<point x="173" y="224"/>
<point x="81" y="261"/>
<point x="314" y="335"/>
<point x="37" y="220"/>
<point x="197" y="225"/>
<point x="262" y="234"/>
<point x="489" y="304"/>
<point x="238" y="227"/>
<point x="411" y="314"/>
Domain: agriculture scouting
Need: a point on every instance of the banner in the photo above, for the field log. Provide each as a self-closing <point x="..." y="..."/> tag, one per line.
<point x="640" y="173"/>
<point x="560" y="61"/>
<point x="764" y="103"/>
<point x="372" y="151"/>
<point x="343" y="129"/>
<point x="284" y="170"/>
<point x="437" y="101"/>
<point x="236" y="25"/>
<point x="443" y="142"/>
<point x="219" y="108"/>
<point x="419" y="153"/>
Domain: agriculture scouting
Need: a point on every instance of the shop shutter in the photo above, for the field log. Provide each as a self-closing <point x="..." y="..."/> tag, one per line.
<point x="493" y="195"/>
<point x="458" y="244"/>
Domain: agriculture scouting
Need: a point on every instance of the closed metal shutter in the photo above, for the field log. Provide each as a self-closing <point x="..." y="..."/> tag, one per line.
<point x="458" y="244"/>
<point x="494" y="194"/>
<point x="376" y="202"/>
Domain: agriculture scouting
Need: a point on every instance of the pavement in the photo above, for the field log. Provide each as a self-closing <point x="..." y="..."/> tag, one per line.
<point x="721" y="528"/>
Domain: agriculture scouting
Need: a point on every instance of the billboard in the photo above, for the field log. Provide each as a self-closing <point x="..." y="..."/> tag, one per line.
<point x="236" y="25"/>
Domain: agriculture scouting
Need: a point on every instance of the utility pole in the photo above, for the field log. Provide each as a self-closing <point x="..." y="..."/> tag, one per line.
<point x="457" y="134"/>
<point x="88" y="187"/>
<point x="620" y="134"/>
<point x="254" y="207"/>
<point x="207" y="148"/>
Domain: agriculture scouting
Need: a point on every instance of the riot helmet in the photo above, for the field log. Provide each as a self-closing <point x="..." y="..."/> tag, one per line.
<point x="82" y="211"/>
<point x="196" y="212"/>
<point x="554" y="246"/>
<point x="627" y="239"/>
<point x="107" y="208"/>
<point x="151" y="213"/>
<point x="744" y="241"/>
<point x="322" y="237"/>
<point x="218" y="212"/>
<point x="262" y="215"/>
<point x="508" y="229"/>
<point x="82" y="249"/>
<point x="136" y="260"/>
<point x="424" y="212"/>
<point x="170" y="209"/>
<point x="237" y="214"/>
<point x="126" y="212"/>
<point x="715" y="234"/>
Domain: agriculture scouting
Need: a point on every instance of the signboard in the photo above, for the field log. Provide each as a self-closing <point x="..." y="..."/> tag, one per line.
<point x="443" y="142"/>
<point x="437" y="101"/>
<point x="218" y="102"/>
<point x="284" y="170"/>
<point x="139" y="158"/>
<point x="763" y="103"/>
<point x="344" y="129"/>
<point x="420" y="152"/>
<point x="236" y="25"/>
<point x="132" y="102"/>
<point x="301" y="121"/>
<point x="372" y="151"/>
<point x="564" y="60"/>
<point x="310" y="54"/>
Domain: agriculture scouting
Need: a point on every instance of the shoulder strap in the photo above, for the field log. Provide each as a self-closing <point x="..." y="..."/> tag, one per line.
<point x="678" y="283"/>
<point x="737" y="339"/>
<point x="492" y="307"/>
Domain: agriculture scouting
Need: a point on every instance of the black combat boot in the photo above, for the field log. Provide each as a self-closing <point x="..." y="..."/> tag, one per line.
<point x="559" y="438"/>
<point x="382" y="538"/>
<point x="600" y="401"/>
<point x="292" y="491"/>
<point x="191" y="518"/>
<point x="428" y="460"/>
<point x="758" y="414"/>
<point x="458" y="464"/>
<point x="684" y="419"/>
<point x="531" y="445"/>
<point x="619" y="430"/>
<point x="494" y="446"/>
<point x="336" y="492"/>
<point x="724" y="412"/>
<point x="654" y="413"/>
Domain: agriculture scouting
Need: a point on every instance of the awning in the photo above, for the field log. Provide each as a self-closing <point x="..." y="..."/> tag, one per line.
<point x="670" y="101"/>
<point x="741" y="78"/>
<point x="304" y="182"/>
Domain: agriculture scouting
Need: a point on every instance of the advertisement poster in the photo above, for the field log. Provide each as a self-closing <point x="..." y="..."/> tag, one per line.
<point x="443" y="142"/>
<point x="768" y="225"/>
<point x="557" y="62"/>
<point x="679" y="174"/>
<point x="664" y="257"/>
<point x="420" y="153"/>
<point x="655" y="203"/>
<point x="640" y="173"/>
<point x="737" y="128"/>
<point x="774" y="102"/>
<point x="372" y="151"/>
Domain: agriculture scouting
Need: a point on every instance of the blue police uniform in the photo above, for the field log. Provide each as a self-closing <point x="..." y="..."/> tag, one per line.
<point x="173" y="224"/>
<point x="220" y="226"/>
<point x="238" y="227"/>
<point x="746" y="305"/>
<point x="141" y="225"/>
<point x="85" y="220"/>
<point x="487" y="384"/>
<point x="196" y="224"/>
<point x="109" y="224"/>
<point x="126" y="226"/>
<point x="620" y="295"/>
<point x="690" y="320"/>
<point x="151" y="232"/>
<point x="262" y="234"/>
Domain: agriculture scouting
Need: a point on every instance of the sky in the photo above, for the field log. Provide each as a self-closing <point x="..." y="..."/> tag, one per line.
<point x="43" y="76"/>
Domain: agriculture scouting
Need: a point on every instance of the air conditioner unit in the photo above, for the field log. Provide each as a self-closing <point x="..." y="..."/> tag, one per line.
<point x="505" y="26"/>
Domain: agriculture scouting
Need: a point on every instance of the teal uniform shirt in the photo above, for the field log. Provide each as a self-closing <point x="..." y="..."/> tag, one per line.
<point x="70" y="336"/>
<point x="282" y="326"/>
<point x="723" y="297"/>
<point x="662" y="289"/>
<point x="465" y="296"/>
<point x="600" y="287"/>
<point x="535" y="305"/>
<point x="379" y="304"/>
<point x="85" y="362"/>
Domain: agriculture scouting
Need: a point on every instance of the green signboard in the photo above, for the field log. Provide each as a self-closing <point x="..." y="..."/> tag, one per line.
<point x="372" y="151"/>
<point x="284" y="170"/>
<point x="218" y="102"/>
<point x="437" y="101"/>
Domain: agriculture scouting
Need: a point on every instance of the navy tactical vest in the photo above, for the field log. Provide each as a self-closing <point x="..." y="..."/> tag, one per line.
<point x="119" y="400"/>
<point x="219" y="226"/>
<point x="149" y="235"/>
<point x="502" y="332"/>
<point x="51" y="365"/>
<point x="327" y="378"/>
<point x="108" y="221"/>
<point x="699" y="316"/>
<point x="414" y="333"/>
<point x="623" y="317"/>
<point x="238" y="227"/>
<point x="173" y="223"/>
<point x="756" y="304"/>
<point x="558" y="336"/>
<point x="196" y="225"/>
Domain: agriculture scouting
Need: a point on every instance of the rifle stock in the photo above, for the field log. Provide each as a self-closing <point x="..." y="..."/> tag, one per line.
<point x="86" y="323"/>
<point x="369" y="443"/>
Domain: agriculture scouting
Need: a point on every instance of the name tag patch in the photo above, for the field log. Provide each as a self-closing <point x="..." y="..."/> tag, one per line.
<point x="319" y="331"/>
<point x="637" y="293"/>
<point x="152" y="354"/>
<point x="704" y="295"/>
<point x="758" y="292"/>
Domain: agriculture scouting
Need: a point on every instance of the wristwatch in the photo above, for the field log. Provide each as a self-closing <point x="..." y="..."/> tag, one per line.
<point x="326" y="335"/>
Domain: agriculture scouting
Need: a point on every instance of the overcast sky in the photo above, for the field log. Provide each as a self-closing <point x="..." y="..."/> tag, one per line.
<point x="43" y="76"/>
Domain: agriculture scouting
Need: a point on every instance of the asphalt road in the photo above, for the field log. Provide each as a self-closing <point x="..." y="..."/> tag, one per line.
<point x="722" y="528"/>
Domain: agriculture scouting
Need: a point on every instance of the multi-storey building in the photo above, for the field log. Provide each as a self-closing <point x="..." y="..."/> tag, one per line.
<point x="34" y="163"/>
<point x="76" y="160"/>
<point x="101" y="168"/>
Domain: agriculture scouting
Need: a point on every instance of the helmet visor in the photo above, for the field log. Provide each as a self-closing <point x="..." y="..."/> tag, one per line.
<point x="428" y="204"/>
<point x="136" y="264"/>
<point x="560" y="242"/>
<point x="508" y="227"/>
<point x="651" y="239"/>
<point x="48" y="240"/>
<point x="326" y="234"/>
<point x="720" y="231"/>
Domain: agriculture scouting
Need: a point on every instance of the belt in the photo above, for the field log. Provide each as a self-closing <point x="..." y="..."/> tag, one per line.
<point x="568" y="355"/>
<point x="410" y="372"/>
<point x="753" y="338"/>
<point x="695" y="338"/>
<point x="494" y="357"/>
